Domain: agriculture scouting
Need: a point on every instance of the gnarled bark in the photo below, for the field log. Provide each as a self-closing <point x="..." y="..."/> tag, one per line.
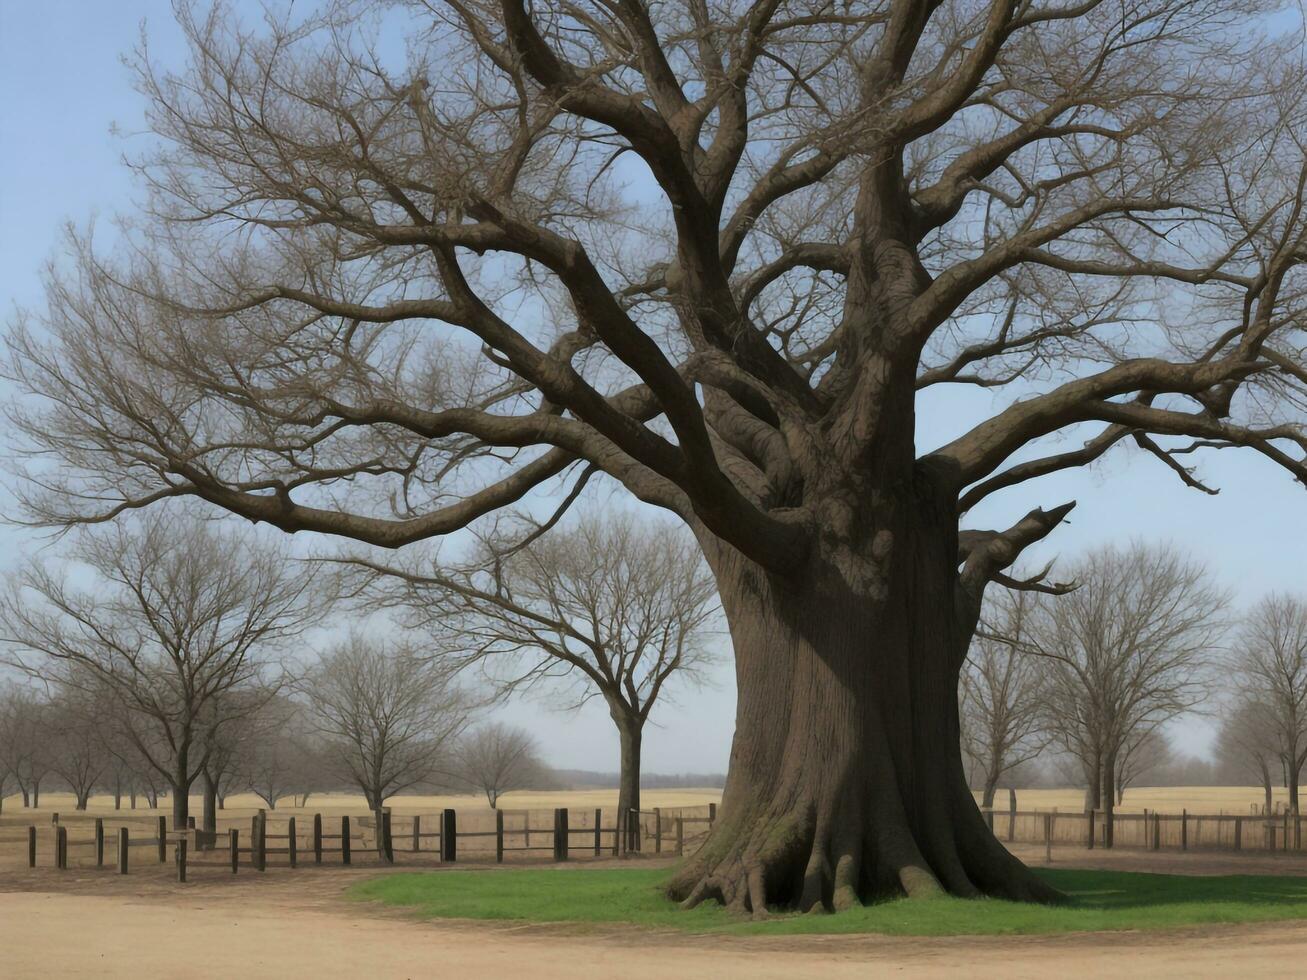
<point x="846" y="781"/>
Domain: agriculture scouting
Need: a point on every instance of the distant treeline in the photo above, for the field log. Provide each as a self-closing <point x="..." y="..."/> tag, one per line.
<point x="584" y="779"/>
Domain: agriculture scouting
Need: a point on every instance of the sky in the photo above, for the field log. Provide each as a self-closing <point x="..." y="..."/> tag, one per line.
<point x="69" y="113"/>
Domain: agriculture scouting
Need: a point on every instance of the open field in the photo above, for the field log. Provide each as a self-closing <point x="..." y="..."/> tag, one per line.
<point x="330" y="804"/>
<point x="1167" y="799"/>
<point x="302" y="925"/>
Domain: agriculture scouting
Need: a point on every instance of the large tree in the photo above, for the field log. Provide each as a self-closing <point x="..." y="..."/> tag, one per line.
<point x="611" y="606"/>
<point x="716" y="252"/>
<point x="176" y="619"/>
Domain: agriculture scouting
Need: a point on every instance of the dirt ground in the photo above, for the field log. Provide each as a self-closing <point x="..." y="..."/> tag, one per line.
<point x="96" y="924"/>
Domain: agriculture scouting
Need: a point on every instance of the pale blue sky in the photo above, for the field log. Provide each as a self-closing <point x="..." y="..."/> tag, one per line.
<point x="62" y="88"/>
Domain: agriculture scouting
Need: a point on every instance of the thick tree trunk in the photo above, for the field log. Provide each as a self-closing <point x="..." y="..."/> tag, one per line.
<point x="1108" y="791"/>
<point x="987" y="796"/>
<point x="209" y="817"/>
<point x="27" y="797"/>
<point x="181" y="810"/>
<point x="36" y="793"/>
<point x="846" y="780"/>
<point x="630" y="736"/>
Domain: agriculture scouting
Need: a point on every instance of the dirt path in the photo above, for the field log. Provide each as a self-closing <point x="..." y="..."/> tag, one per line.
<point x="97" y="925"/>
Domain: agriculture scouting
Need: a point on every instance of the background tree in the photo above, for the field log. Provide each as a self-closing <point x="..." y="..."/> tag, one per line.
<point x="495" y="759"/>
<point x="1246" y="745"/>
<point x="715" y="252"/>
<point x="283" y="758"/>
<point x="1144" y="752"/>
<point x="612" y="607"/>
<point x="181" y="616"/>
<point x="25" y="739"/>
<point x="1123" y="653"/>
<point x="79" y="753"/>
<point x="389" y="714"/>
<point x="1002" y="725"/>
<point x="1270" y="674"/>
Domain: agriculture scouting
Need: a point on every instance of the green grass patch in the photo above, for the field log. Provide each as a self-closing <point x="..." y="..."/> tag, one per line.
<point x="1099" y="900"/>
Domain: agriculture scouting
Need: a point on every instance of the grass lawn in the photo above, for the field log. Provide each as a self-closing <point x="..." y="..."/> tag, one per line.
<point x="1099" y="900"/>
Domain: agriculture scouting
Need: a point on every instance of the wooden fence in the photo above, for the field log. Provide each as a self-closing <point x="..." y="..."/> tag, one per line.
<point x="558" y="835"/>
<point x="1151" y="830"/>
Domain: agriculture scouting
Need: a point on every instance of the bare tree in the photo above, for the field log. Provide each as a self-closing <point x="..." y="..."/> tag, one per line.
<point x="1247" y="742"/>
<point x="495" y="759"/>
<point x="24" y="739"/>
<point x="1144" y="752"/>
<point x="79" y="753"/>
<point x="389" y="713"/>
<point x="1002" y="724"/>
<point x="282" y="759"/>
<point x="714" y="252"/>
<point x="181" y="616"/>
<point x="1270" y="673"/>
<point x="612" y="607"/>
<point x="1124" y="653"/>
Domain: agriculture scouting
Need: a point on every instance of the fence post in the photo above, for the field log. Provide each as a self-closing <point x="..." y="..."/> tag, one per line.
<point x="260" y="842"/>
<point x="417" y="832"/>
<point x="637" y="830"/>
<point x="1048" y="838"/>
<point x="31" y="846"/>
<point x="124" y="848"/>
<point x="61" y="848"/>
<point x="1157" y="831"/>
<point x="344" y="840"/>
<point x="1109" y="826"/>
<point x="680" y="836"/>
<point x="448" y="836"/>
<point x="658" y="830"/>
<point x="234" y="846"/>
<point x="499" y="836"/>
<point x="599" y="823"/>
<point x="292" y="845"/>
<point x="163" y="840"/>
<point x="1011" y="815"/>
<point x="1238" y="833"/>
<point x="388" y="842"/>
<point x="712" y="814"/>
<point x="560" y="834"/>
<point x="1089" y="837"/>
<point x="317" y="838"/>
<point x="99" y="842"/>
<point x="1184" y="830"/>
<point x="181" y="860"/>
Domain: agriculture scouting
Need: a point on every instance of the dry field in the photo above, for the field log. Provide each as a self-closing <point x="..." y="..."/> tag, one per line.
<point x="1163" y="799"/>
